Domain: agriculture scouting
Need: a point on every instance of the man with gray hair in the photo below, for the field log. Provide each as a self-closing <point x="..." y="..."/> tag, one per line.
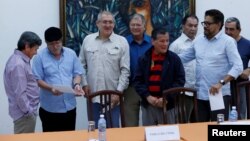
<point x="139" y="43"/>
<point x="20" y="84"/>
<point x="105" y="58"/>
<point x="233" y="29"/>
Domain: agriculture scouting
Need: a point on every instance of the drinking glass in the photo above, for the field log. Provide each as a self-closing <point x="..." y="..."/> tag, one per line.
<point x="91" y="131"/>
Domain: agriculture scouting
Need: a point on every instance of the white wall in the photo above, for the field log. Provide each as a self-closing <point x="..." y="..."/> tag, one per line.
<point x="230" y="8"/>
<point x="17" y="16"/>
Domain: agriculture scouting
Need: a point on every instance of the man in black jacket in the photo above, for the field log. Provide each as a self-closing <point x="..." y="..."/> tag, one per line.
<point x="158" y="69"/>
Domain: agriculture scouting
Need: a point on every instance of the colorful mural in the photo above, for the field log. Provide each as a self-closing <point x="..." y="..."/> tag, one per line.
<point x="78" y="17"/>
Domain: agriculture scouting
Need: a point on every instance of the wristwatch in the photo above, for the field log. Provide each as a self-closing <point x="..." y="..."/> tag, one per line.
<point x="222" y="82"/>
<point x="76" y="84"/>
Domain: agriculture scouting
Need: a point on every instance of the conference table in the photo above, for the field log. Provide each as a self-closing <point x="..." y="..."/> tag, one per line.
<point x="188" y="132"/>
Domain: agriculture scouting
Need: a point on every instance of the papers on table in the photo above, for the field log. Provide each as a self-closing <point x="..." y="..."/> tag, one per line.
<point x="64" y="89"/>
<point x="162" y="133"/>
<point x="216" y="101"/>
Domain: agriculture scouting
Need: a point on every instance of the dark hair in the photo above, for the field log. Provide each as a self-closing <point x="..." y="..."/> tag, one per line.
<point x="218" y="16"/>
<point x="184" y="20"/>
<point x="30" y="38"/>
<point x="234" y="19"/>
<point x="157" y="31"/>
<point x="52" y="34"/>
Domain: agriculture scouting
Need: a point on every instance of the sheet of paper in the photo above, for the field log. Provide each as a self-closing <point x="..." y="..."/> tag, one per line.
<point x="161" y="133"/>
<point x="64" y="89"/>
<point x="216" y="101"/>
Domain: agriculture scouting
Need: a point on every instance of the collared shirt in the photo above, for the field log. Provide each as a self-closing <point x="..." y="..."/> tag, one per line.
<point x="106" y="62"/>
<point x="57" y="72"/>
<point x="215" y="58"/>
<point x="243" y="46"/>
<point x="180" y="45"/>
<point x="136" y="50"/>
<point x="20" y="86"/>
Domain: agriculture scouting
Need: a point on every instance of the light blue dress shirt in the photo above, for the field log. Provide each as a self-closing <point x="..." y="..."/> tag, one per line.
<point x="215" y="58"/>
<point x="57" y="72"/>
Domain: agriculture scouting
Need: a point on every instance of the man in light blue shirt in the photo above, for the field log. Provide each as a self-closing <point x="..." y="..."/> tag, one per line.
<point x="57" y="65"/>
<point x="217" y="63"/>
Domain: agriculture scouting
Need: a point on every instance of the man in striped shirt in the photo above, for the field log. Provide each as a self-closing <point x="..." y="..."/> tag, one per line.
<point x="158" y="69"/>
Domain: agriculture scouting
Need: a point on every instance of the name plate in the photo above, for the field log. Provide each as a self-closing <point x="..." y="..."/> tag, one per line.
<point x="162" y="133"/>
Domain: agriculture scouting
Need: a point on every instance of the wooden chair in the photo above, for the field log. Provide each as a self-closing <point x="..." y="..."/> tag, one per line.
<point x="105" y="98"/>
<point x="179" y="104"/>
<point x="246" y="85"/>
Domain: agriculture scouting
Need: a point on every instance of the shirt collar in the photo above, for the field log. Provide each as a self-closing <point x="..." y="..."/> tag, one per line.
<point x="146" y="38"/>
<point x="111" y="37"/>
<point x="24" y="56"/>
<point x="62" y="51"/>
<point x="218" y="35"/>
<point x="184" y="37"/>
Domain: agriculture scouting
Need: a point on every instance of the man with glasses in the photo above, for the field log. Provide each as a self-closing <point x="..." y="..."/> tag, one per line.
<point x="105" y="58"/>
<point x="139" y="43"/>
<point x="217" y="63"/>
<point x="181" y="44"/>
<point x="57" y="65"/>
<point x="233" y="29"/>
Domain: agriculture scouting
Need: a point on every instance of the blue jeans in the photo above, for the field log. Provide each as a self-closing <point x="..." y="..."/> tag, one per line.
<point x="115" y="113"/>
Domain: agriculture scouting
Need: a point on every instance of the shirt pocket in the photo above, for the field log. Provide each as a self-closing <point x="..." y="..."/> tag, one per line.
<point x="91" y="54"/>
<point x="114" y="53"/>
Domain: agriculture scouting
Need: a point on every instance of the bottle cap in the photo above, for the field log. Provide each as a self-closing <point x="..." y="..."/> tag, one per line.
<point x="233" y="107"/>
<point x="102" y="116"/>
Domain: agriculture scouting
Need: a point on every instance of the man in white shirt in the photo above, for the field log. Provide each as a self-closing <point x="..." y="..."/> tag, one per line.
<point x="189" y="27"/>
<point x="105" y="58"/>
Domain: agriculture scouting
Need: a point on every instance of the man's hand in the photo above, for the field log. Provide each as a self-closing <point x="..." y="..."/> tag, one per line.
<point x="215" y="88"/>
<point x="114" y="100"/>
<point x="86" y="90"/>
<point x="152" y="100"/>
<point x="245" y="74"/>
<point x="159" y="103"/>
<point x="55" y="92"/>
<point x="78" y="90"/>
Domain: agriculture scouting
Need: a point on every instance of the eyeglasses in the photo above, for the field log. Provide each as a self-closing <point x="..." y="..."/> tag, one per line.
<point x="207" y="23"/>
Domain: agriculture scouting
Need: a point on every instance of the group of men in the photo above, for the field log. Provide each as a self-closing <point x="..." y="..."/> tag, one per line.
<point x="140" y="66"/>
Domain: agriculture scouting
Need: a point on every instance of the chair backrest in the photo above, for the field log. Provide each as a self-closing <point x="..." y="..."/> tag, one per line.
<point x="105" y="98"/>
<point x="180" y="111"/>
<point x="246" y="85"/>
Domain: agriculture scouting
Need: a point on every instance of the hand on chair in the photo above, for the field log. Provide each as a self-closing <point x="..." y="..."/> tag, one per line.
<point x="114" y="100"/>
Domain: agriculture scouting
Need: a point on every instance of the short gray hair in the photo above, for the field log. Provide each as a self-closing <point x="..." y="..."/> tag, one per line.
<point x="30" y="38"/>
<point x="99" y="16"/>
<point x="234" y="19"/>
<point x="138" y="16"/>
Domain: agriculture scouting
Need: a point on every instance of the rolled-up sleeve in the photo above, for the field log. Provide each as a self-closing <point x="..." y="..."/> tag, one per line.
<point x="234" y="59"/>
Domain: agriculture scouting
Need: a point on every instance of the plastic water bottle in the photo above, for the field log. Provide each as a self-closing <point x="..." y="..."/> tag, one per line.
<point x="102" y="128"/>
<point x="233" y="115"/>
